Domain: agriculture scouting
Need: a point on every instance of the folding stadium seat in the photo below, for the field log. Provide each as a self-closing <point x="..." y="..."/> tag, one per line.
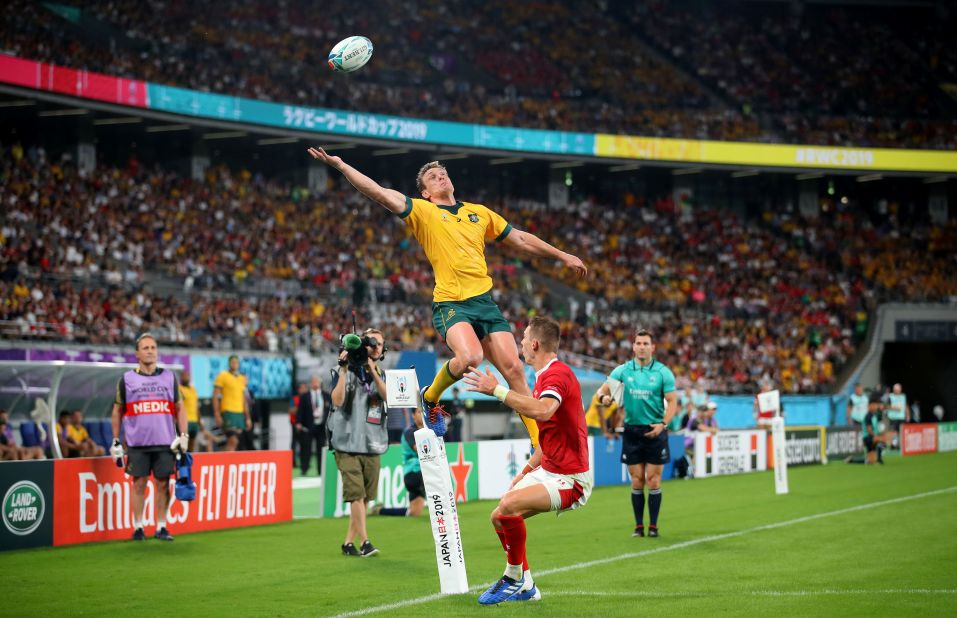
<point x="28" y="433"/>
<point x="105" y="436"/>
<point x="95" y="429"/>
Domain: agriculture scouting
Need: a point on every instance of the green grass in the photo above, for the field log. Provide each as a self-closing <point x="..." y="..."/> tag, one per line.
<point x="887" y="559"/>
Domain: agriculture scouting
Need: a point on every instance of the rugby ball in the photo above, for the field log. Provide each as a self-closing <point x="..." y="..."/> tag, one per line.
<point x="350" y="54"/>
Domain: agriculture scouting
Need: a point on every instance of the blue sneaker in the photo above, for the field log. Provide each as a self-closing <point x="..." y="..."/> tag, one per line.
<point x="501" y="590"/>
<point x="532" y="594"/>
<point x="433" y="414"/>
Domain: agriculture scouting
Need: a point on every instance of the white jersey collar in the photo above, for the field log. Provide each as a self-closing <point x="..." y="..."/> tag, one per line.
<point x="547" y="365"/>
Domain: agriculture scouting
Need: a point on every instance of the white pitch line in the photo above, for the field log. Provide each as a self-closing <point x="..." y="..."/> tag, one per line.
<point x="754" y="593"/>
<point x="656" y="550"/>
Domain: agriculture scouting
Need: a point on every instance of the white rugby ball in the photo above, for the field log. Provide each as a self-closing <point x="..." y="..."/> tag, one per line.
<point x="350" y="54"/>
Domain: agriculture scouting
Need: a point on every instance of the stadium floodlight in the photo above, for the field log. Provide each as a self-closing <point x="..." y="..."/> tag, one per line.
<point x="506" y="161"/>
<point x="933" y="180"/>
<point x="342" y="146"/>
<point x="811" y="176"/>
<point x="625" y="168"/>
<point x="566" y="165"/>
<point x="868" y="178"/>
<point x="118" y="120"/>
<point x="388" y="152"/>
<point x="164" y="128"/>
<point x="18" y="103"/>
<point x="224" y="134"/>
<point x="686" y="171"/>
<point x="451" y="156"/>
<point x="75" y="111"/>
<point x="745" y="173"/>
<point x="271" y="141"/>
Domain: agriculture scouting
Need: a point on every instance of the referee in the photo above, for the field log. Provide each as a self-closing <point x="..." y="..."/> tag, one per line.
<point x="648" y="385"/>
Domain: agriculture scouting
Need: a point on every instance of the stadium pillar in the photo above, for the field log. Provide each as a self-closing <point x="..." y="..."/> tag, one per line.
<point x="86" y="147"/>
<point x="559" y="181"/>
<point x="317" y="174"/>
<point x="938" y="205"/>
<point x="199" y="160"/>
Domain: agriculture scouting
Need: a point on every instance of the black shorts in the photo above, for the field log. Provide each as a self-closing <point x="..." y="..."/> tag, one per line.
<point x="414" y="485"/>
<point x="142" y="460"/>
<point x="869" y="444"/>
<point x="637" y="449"/>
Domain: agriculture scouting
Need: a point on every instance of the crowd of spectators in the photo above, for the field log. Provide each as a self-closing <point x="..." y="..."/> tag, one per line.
<point x="734" y="300"/>
<point x="829" y="75"/>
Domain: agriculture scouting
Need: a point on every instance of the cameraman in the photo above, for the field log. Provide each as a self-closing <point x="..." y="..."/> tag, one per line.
<point x="358" y="432"/>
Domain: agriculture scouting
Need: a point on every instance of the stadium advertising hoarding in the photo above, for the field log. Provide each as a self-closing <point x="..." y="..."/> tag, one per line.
<point x="946" y="437"/>
<point x="501" y="461"/>
<point x="842" y="441"/>
<point x="774" y="155"/>
<point x="463" y="463"/>
<point x="136" y="93"/>
<point x="805" y="446"/>
<point x="27" y="508"/>
<point x="730" y="452"/>
<point x="918" y="438"/>
<point x="91" y="496"/>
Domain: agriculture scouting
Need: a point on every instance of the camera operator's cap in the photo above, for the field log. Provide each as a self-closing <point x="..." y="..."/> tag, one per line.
<point x="711" y="406"/>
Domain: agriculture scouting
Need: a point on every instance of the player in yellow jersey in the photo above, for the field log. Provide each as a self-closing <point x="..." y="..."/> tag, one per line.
<point x="453" y="235"/>
<point x="230" y="407"/>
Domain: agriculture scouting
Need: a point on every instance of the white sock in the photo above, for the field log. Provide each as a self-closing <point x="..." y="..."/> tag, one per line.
<point x="514" y="571"/>
<point x="529" y="582"/>
<point x="160" y="521"/>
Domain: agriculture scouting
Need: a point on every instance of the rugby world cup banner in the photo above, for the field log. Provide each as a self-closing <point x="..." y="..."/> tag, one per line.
<point x="463" y="464"/>
<point x="918" y="438"/>
<point x="730" y="452"/>
<point x="947" y="437"/>
<point x="27" y="507"/>
<point x="92" y="497"/>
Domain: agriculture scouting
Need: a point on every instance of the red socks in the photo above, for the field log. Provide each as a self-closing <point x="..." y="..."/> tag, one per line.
<point x="512" y="536"/>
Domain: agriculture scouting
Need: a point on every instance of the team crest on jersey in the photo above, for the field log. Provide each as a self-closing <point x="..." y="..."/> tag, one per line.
<point x="473" y="217"/>
<point x="651" y="379"/>
<point x="451" y="314"/>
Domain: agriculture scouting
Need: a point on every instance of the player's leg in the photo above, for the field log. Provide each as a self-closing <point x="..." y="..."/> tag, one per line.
<point x="637" y="474"/>
<point x="467" y="352"/>
<point x="464" y="342"/>
<point x="525" y="500"/>
<point x="501" y="351"/>
<point x="164" y="464"/>
<point x="653" y="481"/>
<point x="138" y="500"/>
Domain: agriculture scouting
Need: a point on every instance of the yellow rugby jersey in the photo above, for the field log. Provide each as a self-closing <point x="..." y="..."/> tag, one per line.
<point x="190" y="402"/>
<point x="454" y="238"/>
<point x="233" y="387"/>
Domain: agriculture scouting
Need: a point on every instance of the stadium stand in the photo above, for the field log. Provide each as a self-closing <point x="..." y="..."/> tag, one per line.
<point x="748" y="73"/>
<point x="787" y="297"/>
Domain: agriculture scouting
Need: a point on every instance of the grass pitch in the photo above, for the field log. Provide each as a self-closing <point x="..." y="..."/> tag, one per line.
<point x="848" y="540"/>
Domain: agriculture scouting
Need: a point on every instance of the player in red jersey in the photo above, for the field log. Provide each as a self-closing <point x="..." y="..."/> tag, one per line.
<point x="557" y="477"/>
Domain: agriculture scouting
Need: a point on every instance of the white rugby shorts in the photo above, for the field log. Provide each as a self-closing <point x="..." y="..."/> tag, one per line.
<point x="567" y="491"/>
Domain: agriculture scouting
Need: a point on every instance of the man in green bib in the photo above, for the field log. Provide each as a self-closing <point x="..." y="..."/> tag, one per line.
<point x="650" y="401"/>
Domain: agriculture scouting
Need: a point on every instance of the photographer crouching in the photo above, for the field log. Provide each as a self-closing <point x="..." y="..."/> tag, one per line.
<point x="358" y="432"/>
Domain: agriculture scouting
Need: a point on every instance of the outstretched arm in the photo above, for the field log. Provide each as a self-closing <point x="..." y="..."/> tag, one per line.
<point x="535" y="246"/>
<point x="538" y="409"/>
<point x="393" y="201"/>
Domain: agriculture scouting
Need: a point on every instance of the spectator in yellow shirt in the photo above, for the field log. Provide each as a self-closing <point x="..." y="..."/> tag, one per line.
<point x="78" y="434"/>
